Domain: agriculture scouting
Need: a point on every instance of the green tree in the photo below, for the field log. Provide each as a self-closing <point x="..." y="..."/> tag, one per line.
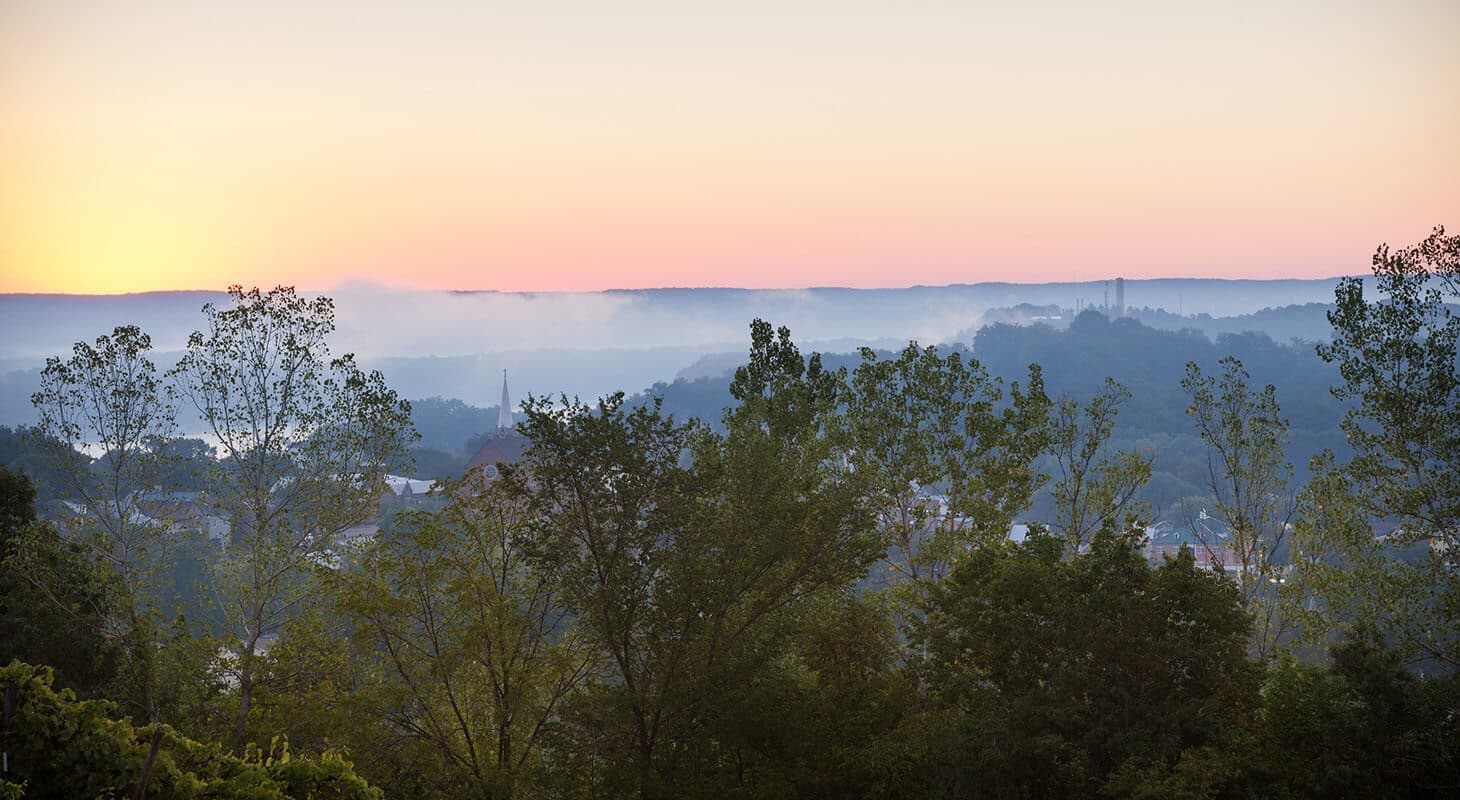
<point x="947" y="458"/>
<point x="1068" y="672"/>
<point x="680" y="548"/>
<point x="62" y="748"/>
<point x="54" y="601"/>
<point x="1095" y="491"/>
<point x="186" y="463"/>
<point x="1251" y="485"/>
<point x="17" y="502"/>
<point x="613" y="496"/>
<point x="1398" y="357"/>
<point x="43" y="460"/>
<point x="475" y="652"/>
<point x="807" y="720"/>
<point x="107" y="397"/>
<point x="1362" y="726"/>
<point x="303" y="439"/>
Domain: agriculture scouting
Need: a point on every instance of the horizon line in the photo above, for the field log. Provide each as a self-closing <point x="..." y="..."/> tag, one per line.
<point x="368" y="286"/>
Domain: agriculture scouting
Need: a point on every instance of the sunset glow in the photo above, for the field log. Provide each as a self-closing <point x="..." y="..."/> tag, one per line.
<point x="594" y="145"/>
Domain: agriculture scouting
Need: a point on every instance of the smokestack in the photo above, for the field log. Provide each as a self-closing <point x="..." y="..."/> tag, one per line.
<point x="1120" y="297"/>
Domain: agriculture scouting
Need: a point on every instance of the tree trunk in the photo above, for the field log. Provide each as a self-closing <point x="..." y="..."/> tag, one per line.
<point x="646" y="773"/>
<point x="245" y="688"/>
<point x="149" y="689"/>
<point x="144" y="657"/>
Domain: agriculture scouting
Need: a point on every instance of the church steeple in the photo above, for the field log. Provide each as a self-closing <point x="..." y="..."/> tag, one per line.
<point x="504" y="411"/>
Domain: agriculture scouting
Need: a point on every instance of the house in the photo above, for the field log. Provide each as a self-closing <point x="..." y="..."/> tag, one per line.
<point x="401" y="492"/>
<point x="184" y="511"/>
<point x="1207" y="540"/>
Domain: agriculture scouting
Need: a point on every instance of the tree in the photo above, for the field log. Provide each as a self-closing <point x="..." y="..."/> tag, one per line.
<point x="947" y="460"/>
<point x="613" y="497"/>
<point x="55" y="602"/>
<point x="186" y="463"/>
<point x="1067" y="672"/>
<point x="1250" y="481"/>
<point x="1398" y="358"/>
<point x="1360" y="726"/>
<point x="474" y="651"/>
<point x="1095" y="491"/>
<point x="303" y="439"/>
<point x="679" y="547"/>
<point x="59" y="747"/>
<point x="17" y="502"/>
<point x="807" y="719"/>
<point x="107" y="397"/>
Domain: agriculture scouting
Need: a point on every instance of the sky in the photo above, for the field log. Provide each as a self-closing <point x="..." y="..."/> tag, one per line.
<point x="587" y="145"/>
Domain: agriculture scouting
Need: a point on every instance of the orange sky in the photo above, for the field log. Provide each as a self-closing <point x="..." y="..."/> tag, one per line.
<point x="588" y="145"/>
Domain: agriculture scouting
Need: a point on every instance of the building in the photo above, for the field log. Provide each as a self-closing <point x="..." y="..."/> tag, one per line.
<point x="185" y="511"/>
<point x="404" y="492"/>
<point x="1207" y="543"/>
<point x="504" y="445"/>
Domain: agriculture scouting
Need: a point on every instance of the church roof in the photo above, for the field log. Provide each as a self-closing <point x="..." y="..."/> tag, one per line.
<point x="503" y="447"/>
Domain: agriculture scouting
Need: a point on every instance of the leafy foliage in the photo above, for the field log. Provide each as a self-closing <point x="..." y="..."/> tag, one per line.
<point x="1067" y="671"/>
<point x="931" y="422"/>
<point x="476" y="650"/>
<point x="59" y="747"/>
<point x="1096" y="491"/>
<point x="54" y="602"/>
<point x="1400" y="363"/>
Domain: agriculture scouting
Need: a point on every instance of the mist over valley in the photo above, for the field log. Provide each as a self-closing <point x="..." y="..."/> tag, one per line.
<point x="456" y="344"/>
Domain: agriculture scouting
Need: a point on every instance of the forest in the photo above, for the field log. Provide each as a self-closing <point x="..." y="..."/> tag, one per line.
<point x="802" y="581"/>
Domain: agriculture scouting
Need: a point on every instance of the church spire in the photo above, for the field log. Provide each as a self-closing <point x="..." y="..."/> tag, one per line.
<point x="504" y="411"/>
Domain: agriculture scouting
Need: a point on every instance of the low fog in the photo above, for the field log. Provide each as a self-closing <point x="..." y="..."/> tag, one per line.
<point x="456" y="344"/>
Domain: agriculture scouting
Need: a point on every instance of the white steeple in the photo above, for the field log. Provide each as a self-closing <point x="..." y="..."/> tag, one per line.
<point x="504" y="411"/>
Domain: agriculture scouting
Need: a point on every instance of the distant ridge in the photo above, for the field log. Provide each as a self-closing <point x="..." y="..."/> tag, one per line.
<point x="456" y="343"/>
<point x="685" y="289"/>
